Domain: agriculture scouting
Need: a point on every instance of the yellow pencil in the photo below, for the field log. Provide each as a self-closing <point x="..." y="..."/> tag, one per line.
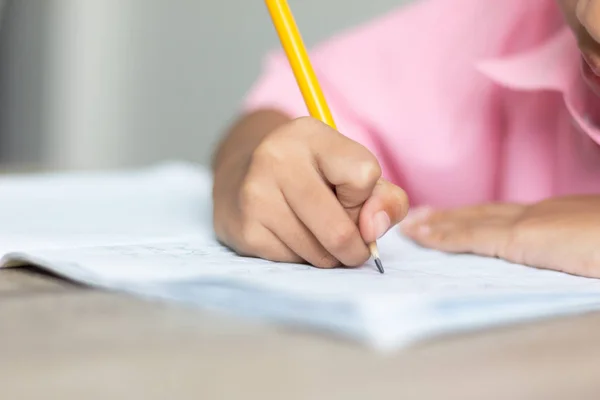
<point x="294" y="48"/>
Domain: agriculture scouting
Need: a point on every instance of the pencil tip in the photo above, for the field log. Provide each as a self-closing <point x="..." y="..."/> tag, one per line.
<point x="379" y="265"/>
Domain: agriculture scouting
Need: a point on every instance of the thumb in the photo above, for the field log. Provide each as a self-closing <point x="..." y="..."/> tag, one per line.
<point x="386" y="207"/>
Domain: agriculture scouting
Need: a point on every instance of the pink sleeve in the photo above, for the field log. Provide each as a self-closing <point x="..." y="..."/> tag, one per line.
<point x="405" y="86"/>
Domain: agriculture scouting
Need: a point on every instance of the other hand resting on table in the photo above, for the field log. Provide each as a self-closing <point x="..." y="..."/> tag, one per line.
<point x="561" y="234"/>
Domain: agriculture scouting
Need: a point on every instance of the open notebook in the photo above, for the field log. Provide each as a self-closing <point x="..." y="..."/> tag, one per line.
<point x="148" y="232"/>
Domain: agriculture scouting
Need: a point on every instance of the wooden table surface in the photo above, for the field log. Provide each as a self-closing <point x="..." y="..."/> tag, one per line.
<point x="63" y="341"/>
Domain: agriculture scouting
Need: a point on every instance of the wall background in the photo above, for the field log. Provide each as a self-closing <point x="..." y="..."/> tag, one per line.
<point x="110" y="83"/>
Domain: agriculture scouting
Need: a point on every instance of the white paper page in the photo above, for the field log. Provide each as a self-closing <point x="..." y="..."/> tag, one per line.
<point x="409" y="270"/>
<point x="422" y="293"/>
<point x="88" y="208"/>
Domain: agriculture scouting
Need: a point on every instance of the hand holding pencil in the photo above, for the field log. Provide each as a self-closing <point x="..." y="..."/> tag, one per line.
<point x="298" y="190"/>
<point x="293" y="45"/>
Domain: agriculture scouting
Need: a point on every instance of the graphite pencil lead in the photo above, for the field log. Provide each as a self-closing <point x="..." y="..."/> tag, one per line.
<point x="379" y="265"/>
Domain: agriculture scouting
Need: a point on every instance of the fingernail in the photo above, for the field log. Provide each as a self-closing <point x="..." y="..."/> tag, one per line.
<point x="381" y="223"/>
<point x="424" y="230"/>
<point x="417" y="215"/>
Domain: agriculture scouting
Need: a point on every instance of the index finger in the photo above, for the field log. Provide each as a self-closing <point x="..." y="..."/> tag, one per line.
<point x="347" y="165"/>
<point x="317" y="206"/>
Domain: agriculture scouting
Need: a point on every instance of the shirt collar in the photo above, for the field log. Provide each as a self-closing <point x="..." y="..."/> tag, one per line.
<point x="551" y="65"/>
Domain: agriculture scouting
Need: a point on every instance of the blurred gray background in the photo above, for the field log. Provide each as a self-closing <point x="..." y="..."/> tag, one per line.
<point x="112" y="83"/>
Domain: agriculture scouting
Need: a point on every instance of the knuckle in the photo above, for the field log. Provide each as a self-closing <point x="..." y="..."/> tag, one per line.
<point x="250" y="239"/>
<point x="327" y="261"/>
<point x="305" y="124"/>
<point x="251" y="196"/>
<point x="403" y="201"/>
<point x="307" y="127"/>
<point x="368" y="173"/>
<point x="342" y="238"/>
<point x="439" y="237"/>
<point x="270" y="150"/>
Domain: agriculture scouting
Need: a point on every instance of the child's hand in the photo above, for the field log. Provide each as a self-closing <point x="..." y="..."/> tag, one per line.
<point x="308" y="194"/>
<point x="561" y="234"/>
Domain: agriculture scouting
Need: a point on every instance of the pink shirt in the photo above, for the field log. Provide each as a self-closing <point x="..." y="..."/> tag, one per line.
<point x="462" y="101"/>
